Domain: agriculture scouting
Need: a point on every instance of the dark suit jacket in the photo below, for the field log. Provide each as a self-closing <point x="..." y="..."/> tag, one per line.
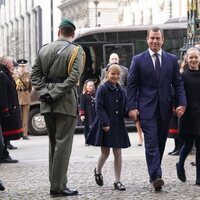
<point x="145" y="90"/>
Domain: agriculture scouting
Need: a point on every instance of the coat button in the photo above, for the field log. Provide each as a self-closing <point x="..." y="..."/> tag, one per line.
<point x="116" y="112"/>
<point x="117" y="100"/>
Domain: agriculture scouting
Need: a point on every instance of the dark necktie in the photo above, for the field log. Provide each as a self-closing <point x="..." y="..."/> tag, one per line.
<point x="157" y="65"/>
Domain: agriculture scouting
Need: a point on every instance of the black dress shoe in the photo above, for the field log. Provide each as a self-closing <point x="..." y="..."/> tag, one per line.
<point x="2" y="186"/>
<point x="9" y="160"/>
<point x="158" y="189"/>
<point x="176" y="153"/>
<point x="26" y="138"/>
<point x="98" y="178"/>
<point x="172" y="151"/>
<point x="10" y="146"/>
<point x="180" y="174"/>
<point x="157" y="184"/>
<point x="193" y="163"/>
<point x="119" y="186"/>
<point x="65" y="192"/>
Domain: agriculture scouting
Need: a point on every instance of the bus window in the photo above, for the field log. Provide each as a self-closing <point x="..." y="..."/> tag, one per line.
<point x="125" y="52"/>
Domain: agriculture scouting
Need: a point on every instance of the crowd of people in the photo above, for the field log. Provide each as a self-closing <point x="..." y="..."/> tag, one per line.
<point x="161" y="100"/>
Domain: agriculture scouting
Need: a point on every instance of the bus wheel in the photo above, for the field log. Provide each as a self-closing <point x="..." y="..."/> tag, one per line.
<point x="36" y="123"/>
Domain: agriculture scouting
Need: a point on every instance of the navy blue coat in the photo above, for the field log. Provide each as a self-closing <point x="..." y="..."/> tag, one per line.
<point x="110" y="111"/>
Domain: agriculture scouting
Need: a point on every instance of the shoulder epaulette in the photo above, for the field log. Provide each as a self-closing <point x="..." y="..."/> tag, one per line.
<point x="73" y="57"/>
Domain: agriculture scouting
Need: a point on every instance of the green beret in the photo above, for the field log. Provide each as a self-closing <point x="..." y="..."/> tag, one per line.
<point x="67" y="23"/>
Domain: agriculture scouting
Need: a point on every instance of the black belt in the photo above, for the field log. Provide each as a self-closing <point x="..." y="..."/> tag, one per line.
<point x="55" y="79"/>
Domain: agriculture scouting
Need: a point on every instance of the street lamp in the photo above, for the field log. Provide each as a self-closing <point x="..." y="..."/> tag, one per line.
<point x="51" y="3"/>
<point x="96" y="14"/>
<point x="170" y="8"/>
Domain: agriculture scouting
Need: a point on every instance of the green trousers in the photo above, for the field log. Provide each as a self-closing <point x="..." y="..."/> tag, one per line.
<point x="61" y="130"/>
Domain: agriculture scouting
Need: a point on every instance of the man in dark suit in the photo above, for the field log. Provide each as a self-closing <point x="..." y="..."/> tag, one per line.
<point x="151" y="76"/>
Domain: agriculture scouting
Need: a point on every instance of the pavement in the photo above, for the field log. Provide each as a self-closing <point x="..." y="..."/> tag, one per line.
<point x="28" y="179"/>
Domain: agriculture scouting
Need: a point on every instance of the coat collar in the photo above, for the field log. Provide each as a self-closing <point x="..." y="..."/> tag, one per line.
<point x="111" y="87"/>
<point x="63" y="39"/>
<point x="6" y="71"/>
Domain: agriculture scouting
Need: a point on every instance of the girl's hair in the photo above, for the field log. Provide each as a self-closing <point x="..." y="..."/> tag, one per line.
<point x="111" y="67"/>
<point x="184" y="65"/>
<point x="85" y="85"/>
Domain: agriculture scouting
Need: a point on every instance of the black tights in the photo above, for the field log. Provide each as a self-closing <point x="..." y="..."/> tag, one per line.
<point x="185" y="150"/>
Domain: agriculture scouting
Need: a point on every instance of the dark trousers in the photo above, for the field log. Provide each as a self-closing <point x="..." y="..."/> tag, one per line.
<point x="61" y="130"/>
<point x="185" y="150"/>
<point x="86" y="131"/>
<point x="1" y="143"/>
<point x="155" y="135"/>
<point x="5" y="153"/>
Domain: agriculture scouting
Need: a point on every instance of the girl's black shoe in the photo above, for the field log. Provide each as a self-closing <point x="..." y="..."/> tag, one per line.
<point x="119" y="186"/>
<point x="98" y="178"/>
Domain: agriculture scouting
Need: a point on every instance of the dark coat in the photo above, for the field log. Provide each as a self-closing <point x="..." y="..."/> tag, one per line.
<point x="87" y="107"/>
<point x="9" y="106"/>
<point x="190" y="121"/>
<point x="110" y="111"/>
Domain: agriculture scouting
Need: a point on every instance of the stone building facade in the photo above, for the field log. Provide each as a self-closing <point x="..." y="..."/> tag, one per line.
<point x="90" y="13"/>
<point x="25" y="25"/>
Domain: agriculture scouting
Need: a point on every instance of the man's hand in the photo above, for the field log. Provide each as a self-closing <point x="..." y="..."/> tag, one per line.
<point x="106" y="128"/>
<point x="134" y="114"/>
<point x="46" y="98"/>
<point x="180" y="111"/>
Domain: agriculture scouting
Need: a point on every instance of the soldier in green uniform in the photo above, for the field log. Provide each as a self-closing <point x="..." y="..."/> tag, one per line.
<point x="54" y="75"/>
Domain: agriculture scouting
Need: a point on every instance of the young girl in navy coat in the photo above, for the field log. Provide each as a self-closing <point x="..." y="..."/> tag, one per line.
<point x="87" y="106"/>
<point x="108" y="130"/>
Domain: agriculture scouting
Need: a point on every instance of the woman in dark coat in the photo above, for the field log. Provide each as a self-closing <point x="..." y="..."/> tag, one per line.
<point x="108" y="129"/>
<point x="9" y="106"/>
<point x="190" y="121"/>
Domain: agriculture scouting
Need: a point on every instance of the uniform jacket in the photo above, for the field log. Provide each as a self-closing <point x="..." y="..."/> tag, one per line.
<point x="24" y="87"/>
<point x="64" y="94"/>
<point x="145" y="90"/>
<point x="9" y="106"/>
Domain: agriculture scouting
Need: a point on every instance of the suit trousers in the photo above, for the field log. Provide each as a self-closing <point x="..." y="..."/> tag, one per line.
<point x="155" y="135"/>
<point x="61" y="130"/>
<point x="24" y="114"/>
